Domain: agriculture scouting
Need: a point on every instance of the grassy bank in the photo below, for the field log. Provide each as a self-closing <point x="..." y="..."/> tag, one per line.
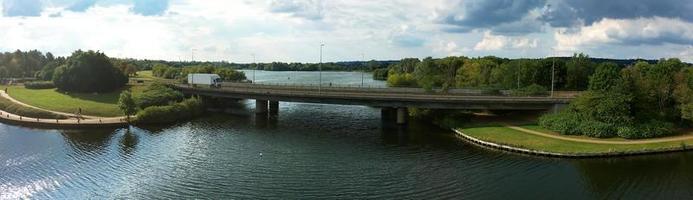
<point x="103" y="104"/>
<point x="515" y="138"/>
<point x="9" y="106"/>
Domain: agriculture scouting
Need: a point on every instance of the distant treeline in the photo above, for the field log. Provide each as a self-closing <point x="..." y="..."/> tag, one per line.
<point x="569" y="73"/>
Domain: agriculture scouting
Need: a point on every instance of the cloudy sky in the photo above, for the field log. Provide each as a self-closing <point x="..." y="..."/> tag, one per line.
<point x="292" y="30"/>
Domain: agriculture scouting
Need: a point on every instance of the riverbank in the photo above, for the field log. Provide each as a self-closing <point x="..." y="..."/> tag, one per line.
<point x="531" y="139"/>
<point x="101" y="105"/>
<point x="35" y="117"/>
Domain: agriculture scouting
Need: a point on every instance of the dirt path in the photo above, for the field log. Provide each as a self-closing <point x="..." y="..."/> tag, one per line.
<point x="598" y="141"/>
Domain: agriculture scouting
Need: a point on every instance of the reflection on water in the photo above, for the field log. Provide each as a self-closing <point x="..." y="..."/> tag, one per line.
<point x="310" y="151"/>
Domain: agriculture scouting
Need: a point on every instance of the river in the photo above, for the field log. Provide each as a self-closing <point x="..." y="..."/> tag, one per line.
<point x="311" y="151"/>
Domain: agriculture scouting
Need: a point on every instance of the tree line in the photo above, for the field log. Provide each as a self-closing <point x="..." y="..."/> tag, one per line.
<point x="491" y="72"/>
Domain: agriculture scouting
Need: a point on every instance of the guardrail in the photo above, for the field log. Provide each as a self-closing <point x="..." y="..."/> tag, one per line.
<point x="379" y="89"/>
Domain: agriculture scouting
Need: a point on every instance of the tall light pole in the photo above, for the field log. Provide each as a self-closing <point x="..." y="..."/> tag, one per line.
<point x="192" y="55"/>
<point x="320" y="69"/>
<point x="553" y="71"/>
<point x="254" y="68"/>
<point x="363" y="57"/>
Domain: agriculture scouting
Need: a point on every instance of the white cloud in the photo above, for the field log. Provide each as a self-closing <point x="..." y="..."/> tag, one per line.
<point x="498" y="42"/>
<point x="632" y="32"/>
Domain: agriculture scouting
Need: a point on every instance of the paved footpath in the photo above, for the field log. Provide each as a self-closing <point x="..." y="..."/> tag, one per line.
<point x="73" y="121"/>
<point x="598" y="141"/>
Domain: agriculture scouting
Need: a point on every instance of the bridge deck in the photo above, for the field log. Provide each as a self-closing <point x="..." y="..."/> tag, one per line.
<point x="378" y="97"/>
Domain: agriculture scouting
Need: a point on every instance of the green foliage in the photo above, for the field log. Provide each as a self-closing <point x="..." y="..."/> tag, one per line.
<point x="401" y="80"/>
<point x="578" y="69"/>
<point x="531" y="90"/>
<point x="380" y="74"/>
<point x="597" y="129"/>
<point x="226" y="74"/>
<point x="613" y="108"/>
<point x="231" y="75"/>
<point x="126" y="103"/>
<point x="157" y="94"/>
<point x="39" y="85"/>
<point x="9" y="106"/>
<point x="476" y="72"/>
<point x="649" y="129"/>
<point x="606" y="77"/>
<point x="187" y="109"/>
<point x="567" y="123"/>
<point x="88" y="72"/>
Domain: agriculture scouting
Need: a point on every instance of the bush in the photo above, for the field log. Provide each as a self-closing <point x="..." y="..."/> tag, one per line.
<point x="184" y="110"/>
<point x="532" y="90"/>
<point x="17" y="109"/>
<point x="650" y="129"/>
<point x="597" y="129"/>
<point x="380" y="74"/>
<point x="39" y="85"/>
<point x="565" y="123"/>
<point x="157" y="95"/>
<point x="88" y="72"/>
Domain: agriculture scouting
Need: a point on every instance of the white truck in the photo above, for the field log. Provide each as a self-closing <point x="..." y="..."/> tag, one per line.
<point x="211" y="80"/>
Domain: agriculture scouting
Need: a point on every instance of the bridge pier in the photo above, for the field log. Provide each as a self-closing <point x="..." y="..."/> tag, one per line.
<point x="274" y="107"/>
<point x="402" y="115"/>
<point x="556" y="108"/>
<point x="260" y="106"/>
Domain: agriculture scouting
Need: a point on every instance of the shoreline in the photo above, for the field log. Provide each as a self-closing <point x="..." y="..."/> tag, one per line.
<point x="526" y="151"/>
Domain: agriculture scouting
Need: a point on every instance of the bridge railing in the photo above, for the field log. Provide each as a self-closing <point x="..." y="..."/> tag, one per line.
<point x="382" y="89"/>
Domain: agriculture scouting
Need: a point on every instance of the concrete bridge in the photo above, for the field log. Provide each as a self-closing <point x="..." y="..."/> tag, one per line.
<point x="390" y="99"/>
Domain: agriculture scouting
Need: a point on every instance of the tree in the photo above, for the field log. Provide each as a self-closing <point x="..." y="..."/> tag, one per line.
<point x="606" y="77"/>
<point x="127" y="104"/>
<point x="578" y="70"/>
<point x="88" y="72"/>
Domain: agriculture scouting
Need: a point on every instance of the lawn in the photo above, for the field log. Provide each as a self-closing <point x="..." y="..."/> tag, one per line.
<point x="145" y="74"/>
<point x="515" y="138"/>
<point x="103" y="105"/>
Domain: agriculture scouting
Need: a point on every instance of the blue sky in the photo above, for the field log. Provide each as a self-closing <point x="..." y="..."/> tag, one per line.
<point x="292" y="30"/>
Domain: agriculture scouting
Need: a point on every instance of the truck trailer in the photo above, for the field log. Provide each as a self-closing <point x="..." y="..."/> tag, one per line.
<point x="211" y="80"/>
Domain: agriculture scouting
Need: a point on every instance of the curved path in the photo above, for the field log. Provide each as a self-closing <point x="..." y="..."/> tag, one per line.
<point x="74" y="121"/>
<point x="598" y="141"/>
<point x="70" y="115"/>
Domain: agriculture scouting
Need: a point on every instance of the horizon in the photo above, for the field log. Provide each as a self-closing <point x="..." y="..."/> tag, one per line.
<point x="292" y="31"/>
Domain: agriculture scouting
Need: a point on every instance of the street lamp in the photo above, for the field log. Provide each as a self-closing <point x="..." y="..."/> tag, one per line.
<point x="320" y="69"/>
<point x="192" y="55"/>
<point x="363" y="57"/>
<point x="254" y="68"/>
<point x="553" y="71"/>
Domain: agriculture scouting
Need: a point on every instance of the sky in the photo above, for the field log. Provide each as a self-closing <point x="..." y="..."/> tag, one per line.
<point x="292" y="30"/>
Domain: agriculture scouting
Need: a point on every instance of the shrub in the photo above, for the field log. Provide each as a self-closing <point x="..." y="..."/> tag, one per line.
<point x="39" y="85"/>
<point x="9" y="106"/>
<point x="157" y="95"/>
<point x="184" y="110"/>
<point x="650" y="129"/>
<point x="597" y="129"/>
<point x="565" y="123"/>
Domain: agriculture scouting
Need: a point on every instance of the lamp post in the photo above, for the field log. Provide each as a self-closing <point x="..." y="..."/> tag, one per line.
<point x="192" y="55"/>
<point x="320" y="69"/>
<point x="553" y="71"/>
<point x="363" y="57"/>
<point x="254" y="68"/>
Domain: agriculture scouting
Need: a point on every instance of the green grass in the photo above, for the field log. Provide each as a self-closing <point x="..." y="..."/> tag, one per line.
<point x="145" y="74"/>
<point x="9" y="106"/>
<point x="103" y="105"/>
<point x="511" y="137"/>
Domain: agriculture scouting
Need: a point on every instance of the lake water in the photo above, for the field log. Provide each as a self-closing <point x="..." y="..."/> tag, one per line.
<point x="311" y="151"/>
